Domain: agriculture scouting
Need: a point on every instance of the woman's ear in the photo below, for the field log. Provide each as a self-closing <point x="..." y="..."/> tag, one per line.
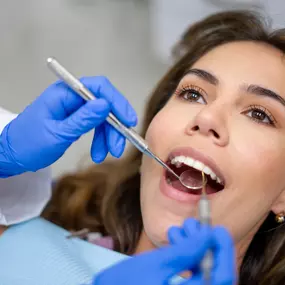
<point x="279" y="205"/>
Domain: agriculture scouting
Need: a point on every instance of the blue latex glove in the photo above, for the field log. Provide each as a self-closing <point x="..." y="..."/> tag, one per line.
<point x="224" y="271"/>
<point x="45" y="129"/>
<point x="157" y="267"/>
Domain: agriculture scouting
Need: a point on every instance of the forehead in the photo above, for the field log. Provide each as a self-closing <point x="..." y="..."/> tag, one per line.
<point x="246" y="62"/>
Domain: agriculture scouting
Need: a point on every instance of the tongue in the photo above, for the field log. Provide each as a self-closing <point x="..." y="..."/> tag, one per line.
<point x="177" y="185"/>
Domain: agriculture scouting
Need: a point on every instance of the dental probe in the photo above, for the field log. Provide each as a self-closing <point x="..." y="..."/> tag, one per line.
<point x="205" y="218"/>
<point x="129" y="133"/>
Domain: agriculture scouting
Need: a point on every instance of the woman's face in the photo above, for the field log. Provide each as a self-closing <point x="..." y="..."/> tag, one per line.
<point x="226" y="113"/>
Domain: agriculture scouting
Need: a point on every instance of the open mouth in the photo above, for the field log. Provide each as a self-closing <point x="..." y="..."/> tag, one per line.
<point x="181" y="163"/>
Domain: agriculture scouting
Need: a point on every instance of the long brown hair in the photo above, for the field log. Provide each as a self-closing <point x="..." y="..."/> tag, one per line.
<point x="106" y="198"/>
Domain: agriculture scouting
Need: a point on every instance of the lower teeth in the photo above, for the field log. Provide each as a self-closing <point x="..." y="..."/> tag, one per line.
<point x="168" y="181"/>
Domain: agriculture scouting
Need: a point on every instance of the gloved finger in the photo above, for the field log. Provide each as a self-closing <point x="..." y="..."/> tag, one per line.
<point x="183" y="256"/>
<point x="115" y="141"/>
<point x="99" y="149"/>
<point x="58" y="101"/>
<point x="101" y="87"/>
<point x="224" y="257"/>
<point x="191" y="226"/>
<point x="176" y="235"/>
<point x="87" y="117"/>
<point x="196" y="279"/>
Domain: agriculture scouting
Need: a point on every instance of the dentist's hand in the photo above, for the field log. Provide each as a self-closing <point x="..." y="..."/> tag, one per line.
<point x="224" y="271"/>
<point x="158" y="266"/>
<point x="45" y="129"/>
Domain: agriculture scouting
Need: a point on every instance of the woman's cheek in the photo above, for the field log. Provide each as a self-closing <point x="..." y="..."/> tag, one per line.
<point x="156" y="129"/>
<point x="256" y="152"/>
<point x="166" y="127"/>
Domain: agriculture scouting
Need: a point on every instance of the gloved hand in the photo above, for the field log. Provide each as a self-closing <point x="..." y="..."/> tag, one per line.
<point x="45" y="129"/>
<point x="224" y="270"/>
<point x="157" y="267"/>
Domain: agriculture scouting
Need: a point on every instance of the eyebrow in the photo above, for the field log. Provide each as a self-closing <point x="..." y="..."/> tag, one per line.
<point x="253" y="89"/>
<point x="203" y="74"/>
<point x="258" y="90"/>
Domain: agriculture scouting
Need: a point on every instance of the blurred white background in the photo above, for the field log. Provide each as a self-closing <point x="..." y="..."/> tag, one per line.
<point x="129" y="41"/>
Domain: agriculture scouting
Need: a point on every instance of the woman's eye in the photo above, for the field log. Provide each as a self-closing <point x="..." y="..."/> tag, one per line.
<point x="193" y="96"/>
<point x="260" y="115"/>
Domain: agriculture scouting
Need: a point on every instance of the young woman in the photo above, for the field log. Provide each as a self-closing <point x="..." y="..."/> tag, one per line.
<point x="222" y="104"/>
<point x="219" y="109"/>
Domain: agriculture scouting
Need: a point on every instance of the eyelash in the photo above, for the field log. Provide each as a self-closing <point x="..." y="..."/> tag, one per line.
<point x="184" y="90"/>
<point x="264" y="111"/>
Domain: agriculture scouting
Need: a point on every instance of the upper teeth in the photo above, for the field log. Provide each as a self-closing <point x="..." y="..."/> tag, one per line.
<point x="178" y="160"/>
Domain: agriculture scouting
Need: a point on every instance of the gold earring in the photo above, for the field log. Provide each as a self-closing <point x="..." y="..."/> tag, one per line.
<point x="280" y="218"/>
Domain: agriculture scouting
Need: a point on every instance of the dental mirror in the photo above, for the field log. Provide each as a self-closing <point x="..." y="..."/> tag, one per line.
<point x="190" y="179"/>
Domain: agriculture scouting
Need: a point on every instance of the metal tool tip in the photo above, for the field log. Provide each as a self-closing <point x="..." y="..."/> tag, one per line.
<point x="50" y="59"/>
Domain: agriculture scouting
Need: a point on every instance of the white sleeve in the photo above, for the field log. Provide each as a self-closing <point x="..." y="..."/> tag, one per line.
<point x="24" y="196"/>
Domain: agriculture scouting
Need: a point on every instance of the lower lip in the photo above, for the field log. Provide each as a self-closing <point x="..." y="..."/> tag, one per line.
<point x="178" y="195"/>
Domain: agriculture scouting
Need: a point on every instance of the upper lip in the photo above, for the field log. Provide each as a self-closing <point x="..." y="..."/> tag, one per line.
<point x="197" y="155"/>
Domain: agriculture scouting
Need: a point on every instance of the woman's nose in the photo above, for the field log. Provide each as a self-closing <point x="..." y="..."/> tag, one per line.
<point x="212" y="123"/>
